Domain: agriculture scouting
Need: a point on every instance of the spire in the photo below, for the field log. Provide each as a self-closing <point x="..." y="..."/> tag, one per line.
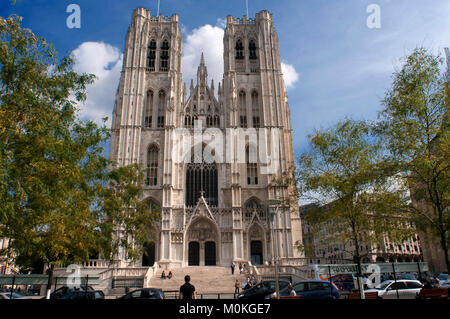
<point x="202" y="60"/>
<point x="202" y="73"/>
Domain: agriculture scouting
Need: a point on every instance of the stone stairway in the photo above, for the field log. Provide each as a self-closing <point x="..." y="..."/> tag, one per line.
<point x="206" y="279"/>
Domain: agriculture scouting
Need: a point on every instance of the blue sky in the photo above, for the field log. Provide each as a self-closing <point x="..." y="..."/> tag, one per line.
<point x="343" y="67"/>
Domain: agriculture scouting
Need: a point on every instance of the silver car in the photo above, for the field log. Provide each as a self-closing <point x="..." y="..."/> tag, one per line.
<point x="401" y="289"/>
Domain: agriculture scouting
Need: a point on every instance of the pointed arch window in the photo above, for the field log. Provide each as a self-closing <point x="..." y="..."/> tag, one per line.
<point x="255" y="110"/>
<point x="201" y="179"/>
<point x="151" y="56"/>
<point x="148" y="110"/>
<point x="216" y="121"/>
<point x="239" y="50"/>
<point x="152" y="166"/>
<point x="253" y="206"/>
<point x="252" y="165"/>
<point x="164" y="58"/>
<point x="242" y="110"/>
<point x="161" y="108"/>
<point x="252" y="50"/>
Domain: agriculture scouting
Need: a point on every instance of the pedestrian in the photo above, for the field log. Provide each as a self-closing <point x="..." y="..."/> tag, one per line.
<point x="240" y="268"/>
<point x="163" y="275"/>
<point x="236" y="288"/>
<point x="232" y="268"/>
<point x="187" y="291"/>
<point x="170" y="275"/>
<point x="291" y="291"/>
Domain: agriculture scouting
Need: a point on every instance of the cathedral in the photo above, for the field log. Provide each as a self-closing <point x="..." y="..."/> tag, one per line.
<point x="212" y="158"/>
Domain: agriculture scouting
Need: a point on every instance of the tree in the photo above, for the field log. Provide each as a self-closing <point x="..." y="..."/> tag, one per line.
<point x="341" y="174"/>
<point x="57" y="203"/>
<point x="415" y="127"/>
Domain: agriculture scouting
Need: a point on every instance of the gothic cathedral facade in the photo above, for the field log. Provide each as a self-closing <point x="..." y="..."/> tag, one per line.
<point x="214" y="210"/>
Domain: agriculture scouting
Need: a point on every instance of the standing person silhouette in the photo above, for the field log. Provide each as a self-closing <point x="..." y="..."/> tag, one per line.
<point x="187" y="291"/>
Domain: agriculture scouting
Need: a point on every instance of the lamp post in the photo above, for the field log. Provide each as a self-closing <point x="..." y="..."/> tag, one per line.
<point x="274" y="242"/>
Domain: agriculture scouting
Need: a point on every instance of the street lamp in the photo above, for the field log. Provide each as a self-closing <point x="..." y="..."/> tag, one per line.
<point x="269" y="203"/>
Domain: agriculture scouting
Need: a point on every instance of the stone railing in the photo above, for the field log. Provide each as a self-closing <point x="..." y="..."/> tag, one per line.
<point x="130" y="272"/>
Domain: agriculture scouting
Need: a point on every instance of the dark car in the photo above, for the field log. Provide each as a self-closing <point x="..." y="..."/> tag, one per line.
<point x="312" y="289"/>
<point x="66" y="292"/>
<point x="83" y="294"/>
<point x="145" y="293"/>
<point x="261" y="290"/>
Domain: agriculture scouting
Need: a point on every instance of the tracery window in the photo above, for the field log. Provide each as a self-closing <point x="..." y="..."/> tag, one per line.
<point x="151" y="57"/>
<point x="252" y="50"/>
<point x="239" y="49"/>
<point x="148" y="109"/>
<point x="161" y="109"/>
<point x="252" y="165"/>
<point x="242" y="110"/>
<point x="255" y="110"/>
<point x="164" y="58"/>
<point x="152" y="166"/>
<point x="201" y="179"/>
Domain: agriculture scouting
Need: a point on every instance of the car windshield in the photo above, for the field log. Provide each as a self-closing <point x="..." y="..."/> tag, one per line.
<point x="383" y="285"/>
<point x="15" y="295"/>
<point x="443" y="277"/>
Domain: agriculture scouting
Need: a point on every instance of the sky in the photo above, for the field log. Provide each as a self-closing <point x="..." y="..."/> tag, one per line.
<point x="334" y="65"/>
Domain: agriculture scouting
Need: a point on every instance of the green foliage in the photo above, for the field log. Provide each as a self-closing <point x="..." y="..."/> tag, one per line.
<point x="341" y="175"/>
<point x="415" y="127"/>
<point x="56" y="203"/>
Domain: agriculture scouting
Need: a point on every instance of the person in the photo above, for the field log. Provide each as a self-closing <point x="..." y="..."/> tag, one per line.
<point x="187" y="291"/>
<point x="240" y="268"/>
<point x="232" y="268"/>
<point x="170" y="275"/>
<point x="236" y="288"/>
<point x="163" y="275"/>
<point x="291" y="291"/>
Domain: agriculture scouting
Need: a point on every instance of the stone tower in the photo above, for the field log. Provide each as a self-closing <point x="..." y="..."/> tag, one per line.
<point x="211" y="157"/>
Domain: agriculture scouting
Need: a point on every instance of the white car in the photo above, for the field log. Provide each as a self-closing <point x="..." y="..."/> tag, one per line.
<point x="406" y="289"/>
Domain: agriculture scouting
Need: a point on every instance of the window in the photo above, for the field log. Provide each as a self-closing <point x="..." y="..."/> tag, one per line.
<point x="164" y="58"/>
<point x="252" y="166"/>
<point x="255" y="110"/>
<point x="148" y="110"/>
<point x="301" y="287"/>
<point x="413" y="285"/>
<point x="239" y="50"/>
<point x="397" y="285"/>
<point x="242" y="110"/>
<point x="201" y="179"/>
<point x="216" y="121"/>
<point x="151" y="57"/>
<point x="152" y="166"/>
<point x="319" y="286"/>
<point x="161" y="108"/>
<point x="252" y="50"/>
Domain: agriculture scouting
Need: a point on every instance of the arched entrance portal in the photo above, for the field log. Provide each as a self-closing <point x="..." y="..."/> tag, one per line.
<point x="194" y="254"/>
<point x="202" y="238"/>
<point x="148" y="259"/>
<point x="210" y="253"/>
<point x="256" y="252"/>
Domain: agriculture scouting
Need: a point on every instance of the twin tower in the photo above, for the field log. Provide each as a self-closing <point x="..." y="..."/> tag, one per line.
<point x="235" y="144"/>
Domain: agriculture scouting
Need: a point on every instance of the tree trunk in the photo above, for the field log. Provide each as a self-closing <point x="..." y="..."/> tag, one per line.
<point x="50" y="280"/>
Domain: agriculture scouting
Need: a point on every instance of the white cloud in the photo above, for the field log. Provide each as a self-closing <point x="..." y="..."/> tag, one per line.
<point x="105" y="61"/>
<point x="290" y="75"/>
<point x="208" y="39"/>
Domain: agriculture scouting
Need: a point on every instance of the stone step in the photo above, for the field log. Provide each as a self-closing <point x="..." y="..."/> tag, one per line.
<point x="205" y="279"/>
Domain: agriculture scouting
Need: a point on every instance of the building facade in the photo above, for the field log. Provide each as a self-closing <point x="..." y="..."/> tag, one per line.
<point x="321" y="247"/>
<point x="211" y="157"/>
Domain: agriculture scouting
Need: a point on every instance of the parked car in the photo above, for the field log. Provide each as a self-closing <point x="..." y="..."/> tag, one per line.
<point x="262" y="289"/>
<point x="65" y="292"/>
<point x="83" y="294"/>
<point x="145" y="293"/>
<point x="312" y="289"/>
<point x="443" y="278"/>
<point x="7" y="295"/>
<point x="407" y="289"/>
